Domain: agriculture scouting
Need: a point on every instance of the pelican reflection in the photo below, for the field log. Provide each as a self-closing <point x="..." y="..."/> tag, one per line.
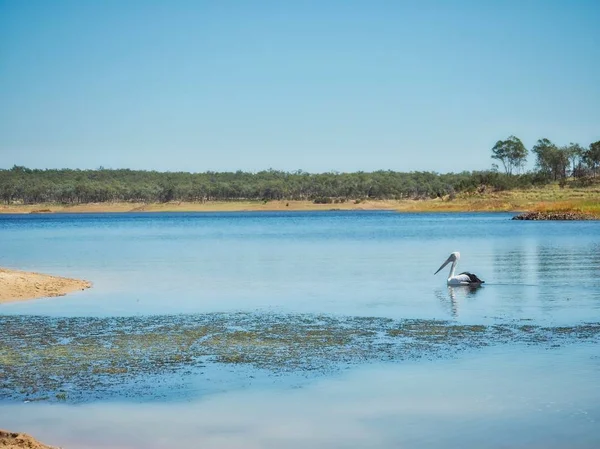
<point x="455" y="293"/>
<point x="463" y="291"/>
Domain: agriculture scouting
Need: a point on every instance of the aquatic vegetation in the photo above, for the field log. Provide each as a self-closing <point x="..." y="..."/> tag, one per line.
<point x="65" y="359"/>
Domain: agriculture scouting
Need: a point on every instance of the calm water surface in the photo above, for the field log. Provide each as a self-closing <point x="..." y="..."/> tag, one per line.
<point x="371" y="263"/>
<point x="341" y="263"/>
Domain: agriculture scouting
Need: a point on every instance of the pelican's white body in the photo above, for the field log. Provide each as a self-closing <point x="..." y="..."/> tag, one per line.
<point x="459" y="279"/>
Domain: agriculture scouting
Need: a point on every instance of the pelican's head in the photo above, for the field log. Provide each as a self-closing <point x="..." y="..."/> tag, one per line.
<point x="454" y="257"/>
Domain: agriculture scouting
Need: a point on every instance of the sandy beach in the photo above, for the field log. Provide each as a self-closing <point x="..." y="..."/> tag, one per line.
<point x="209" y="206"/>
<point x="15" y="440"/>
<point x="22" y="285"/>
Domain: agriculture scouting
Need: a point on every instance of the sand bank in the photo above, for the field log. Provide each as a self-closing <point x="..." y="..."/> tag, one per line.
<point x="14" y="440"/>
<point x="22" y="285"/>
<point x="183" y="206"/>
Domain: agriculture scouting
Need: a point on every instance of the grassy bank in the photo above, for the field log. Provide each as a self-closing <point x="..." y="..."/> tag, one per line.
<point x="550" y="198"/>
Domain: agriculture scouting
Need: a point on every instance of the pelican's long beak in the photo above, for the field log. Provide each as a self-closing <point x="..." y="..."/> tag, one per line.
<point x="448" y="260"/>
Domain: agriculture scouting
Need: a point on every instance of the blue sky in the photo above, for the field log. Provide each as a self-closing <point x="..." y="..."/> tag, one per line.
<point x="312" y="85"/>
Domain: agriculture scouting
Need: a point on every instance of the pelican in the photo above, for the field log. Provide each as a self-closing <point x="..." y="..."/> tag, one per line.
<point x="465" y="278"/>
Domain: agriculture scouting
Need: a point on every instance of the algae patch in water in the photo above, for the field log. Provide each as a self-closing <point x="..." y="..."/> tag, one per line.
<point x="66" y="358"/>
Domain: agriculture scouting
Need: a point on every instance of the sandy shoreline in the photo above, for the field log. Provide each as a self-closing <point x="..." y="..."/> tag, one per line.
<point x="18" y="285"/>
<point x="434" y="205"/>
<point x="23" y="285"/>
<point x="211" y="206"/>
<point x="15" y="440"/>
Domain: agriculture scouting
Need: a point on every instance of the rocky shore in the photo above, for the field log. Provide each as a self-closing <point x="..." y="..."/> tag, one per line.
<point x="561" y="216"/>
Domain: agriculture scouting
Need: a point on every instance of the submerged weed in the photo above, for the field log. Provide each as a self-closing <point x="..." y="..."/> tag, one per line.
<point x="43" y="357"/>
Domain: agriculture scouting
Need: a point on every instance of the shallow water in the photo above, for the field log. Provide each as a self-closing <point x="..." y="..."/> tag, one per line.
<point x="512" y="397"/>
<point x="298" y="266"/>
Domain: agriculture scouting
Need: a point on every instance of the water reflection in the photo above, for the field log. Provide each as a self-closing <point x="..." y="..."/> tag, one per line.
<point x="513" y="264"/>
<point x="463" y="290"/>
<point x="543" y="261"/>
<point x="451" y="297"/>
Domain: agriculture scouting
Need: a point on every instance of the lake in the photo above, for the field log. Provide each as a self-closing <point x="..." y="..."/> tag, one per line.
<point x="395" y="358"/>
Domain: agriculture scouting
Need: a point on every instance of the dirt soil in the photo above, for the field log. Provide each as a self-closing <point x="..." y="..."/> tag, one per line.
<point x="22" y="285"/>
<point x="14" y="440"/>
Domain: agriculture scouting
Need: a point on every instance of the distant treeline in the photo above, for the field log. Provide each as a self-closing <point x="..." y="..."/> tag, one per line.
<point x="29" y="186"/>
<point x="553" y="163"/>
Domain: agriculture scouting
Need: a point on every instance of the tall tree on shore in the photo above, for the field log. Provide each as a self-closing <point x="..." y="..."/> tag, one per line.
<point x="575" y="153"/>
<point x="550" y="160"/>
<point x="511" y="152"/>
<point x="592" y="157"/>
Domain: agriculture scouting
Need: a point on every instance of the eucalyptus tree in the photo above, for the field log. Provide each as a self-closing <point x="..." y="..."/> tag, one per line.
<point x="511" y="153"/>
<point x="592" y="157"/>
<point x="550" y="160"/>
<point x="574" y="153"/>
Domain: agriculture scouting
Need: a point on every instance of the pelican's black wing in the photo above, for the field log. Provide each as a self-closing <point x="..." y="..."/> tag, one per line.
<point x="473" y="278"/>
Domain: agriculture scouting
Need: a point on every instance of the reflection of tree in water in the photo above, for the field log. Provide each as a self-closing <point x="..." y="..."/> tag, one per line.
<point x="450" y="298"/>
<point x="595" y="258"/>
<point x="547" y="258"/>
<point x="511" y="265"/>
<point x="567" y="264"/>
<point x="543" y="262"/>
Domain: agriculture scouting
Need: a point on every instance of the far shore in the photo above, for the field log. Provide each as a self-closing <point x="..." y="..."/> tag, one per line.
<point x="18" y="285"/>
<point x="209" y="206"/>
<point x="546" y="199"/>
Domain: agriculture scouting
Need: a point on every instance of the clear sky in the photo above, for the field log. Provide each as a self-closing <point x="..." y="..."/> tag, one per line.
<point x="312" y="85"/>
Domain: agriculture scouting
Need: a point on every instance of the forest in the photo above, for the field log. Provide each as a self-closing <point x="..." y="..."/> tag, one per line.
<point x="21" y="185"/>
